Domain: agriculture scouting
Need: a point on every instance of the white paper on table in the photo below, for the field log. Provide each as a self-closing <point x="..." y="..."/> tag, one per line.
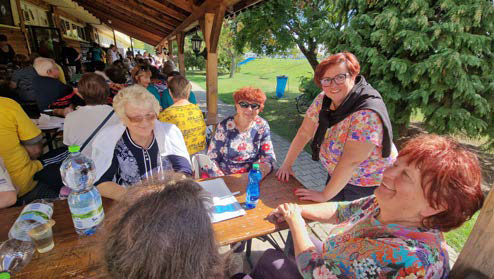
<point x="225" y="205"/>
<point x="49" y="122"/>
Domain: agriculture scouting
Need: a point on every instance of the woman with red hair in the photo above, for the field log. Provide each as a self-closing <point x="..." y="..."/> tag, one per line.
<point x="244" y="138"/>
<point x="350" y="131"/>
<point x="433" y="187"/>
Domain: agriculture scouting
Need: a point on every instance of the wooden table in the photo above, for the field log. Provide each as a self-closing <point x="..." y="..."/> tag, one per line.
<point x="75" y="257"/>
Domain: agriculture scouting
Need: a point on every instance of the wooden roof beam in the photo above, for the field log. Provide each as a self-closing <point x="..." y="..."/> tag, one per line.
<point x="219" y="15"/>
<point x="111" y="14"/>
<point x="197" y="14"/>
<point x="135" y="12"/>
<point x="126" y="27"/>
<point x="155" y="5"/>
<point x="156" y="14"/>
<point x="182" y="4"/>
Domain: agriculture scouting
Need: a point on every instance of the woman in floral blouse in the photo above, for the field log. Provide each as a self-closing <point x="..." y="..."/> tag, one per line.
<point x="244" y="138"/>
<point x="433" y="187"/>
<point x="350" y="130"/>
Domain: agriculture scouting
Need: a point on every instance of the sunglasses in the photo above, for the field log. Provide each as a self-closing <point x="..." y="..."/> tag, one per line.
<point x="338" y="79"/>
<point x="140" y="118"/>
<point x="246" y="105"/>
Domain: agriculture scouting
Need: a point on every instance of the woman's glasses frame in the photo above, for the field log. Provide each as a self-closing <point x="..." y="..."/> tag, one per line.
<point x="140" y="118"/>
<point x="338" y="79"/>
<point x="243" y="104"/>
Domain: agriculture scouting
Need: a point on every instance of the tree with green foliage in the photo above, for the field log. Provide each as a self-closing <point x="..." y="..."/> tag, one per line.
<point x="228" y="55"/>
<point x="276" y="26"/>
<point x="431" y="56"/>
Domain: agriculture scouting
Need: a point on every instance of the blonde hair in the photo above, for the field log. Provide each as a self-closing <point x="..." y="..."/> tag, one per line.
<point x="136" y="95"/>
<point x="179" y="87"/>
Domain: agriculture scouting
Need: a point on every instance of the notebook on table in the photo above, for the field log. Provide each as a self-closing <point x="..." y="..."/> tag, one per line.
<point x="225" y="205"/>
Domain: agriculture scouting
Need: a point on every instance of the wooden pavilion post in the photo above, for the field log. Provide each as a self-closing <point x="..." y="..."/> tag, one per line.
<point x="478" y="251"/>
<point x="181" y="58"/>
<point x="114" y="37"/>
<point x="131" y="45"/>
<point x="170" y="50"/>
<point x="211" y="28"/>
<point x="23" y="25"/>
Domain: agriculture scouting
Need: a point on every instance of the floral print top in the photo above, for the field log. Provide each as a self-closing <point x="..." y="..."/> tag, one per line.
<point x="364" y="126"/>
<point x="359" y="246"/>
<point x="233" y="151"/>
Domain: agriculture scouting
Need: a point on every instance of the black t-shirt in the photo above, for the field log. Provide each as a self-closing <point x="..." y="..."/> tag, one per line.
<point x="7" y="57"/>
<point x="48" y="90"/>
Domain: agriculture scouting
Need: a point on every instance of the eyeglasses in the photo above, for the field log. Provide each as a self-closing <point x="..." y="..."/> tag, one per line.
<point x="246" y="105"/>
<point x="140" y="118"/>
<point x="338" y="79"/>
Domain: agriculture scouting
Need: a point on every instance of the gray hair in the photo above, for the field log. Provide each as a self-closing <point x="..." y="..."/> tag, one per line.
<point x="136" y="95"/>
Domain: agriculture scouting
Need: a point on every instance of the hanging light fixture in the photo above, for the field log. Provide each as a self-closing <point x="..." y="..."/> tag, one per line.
<point x="196" y="44"/>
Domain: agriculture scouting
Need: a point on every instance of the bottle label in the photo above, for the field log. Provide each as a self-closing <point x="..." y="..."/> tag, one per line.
<point x="88" y="217"/>
<point x="38" y="212"/>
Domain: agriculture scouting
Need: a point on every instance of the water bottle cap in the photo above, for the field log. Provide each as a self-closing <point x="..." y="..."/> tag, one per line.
<point x="72" y="149"/>
<point x="255" y="166"/>
<point x="4" y="275"/>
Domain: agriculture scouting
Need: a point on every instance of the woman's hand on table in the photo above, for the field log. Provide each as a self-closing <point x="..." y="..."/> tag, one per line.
<point x="310" y="195"/>
<point x="288" y="212"/>
<point x="284" y="172"/>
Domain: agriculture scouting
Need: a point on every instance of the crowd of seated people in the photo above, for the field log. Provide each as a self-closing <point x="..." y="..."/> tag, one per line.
<point x="145" y="123"/>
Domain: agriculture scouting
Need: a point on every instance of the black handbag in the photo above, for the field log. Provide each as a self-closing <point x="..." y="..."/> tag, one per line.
<point x="52" y="160"/>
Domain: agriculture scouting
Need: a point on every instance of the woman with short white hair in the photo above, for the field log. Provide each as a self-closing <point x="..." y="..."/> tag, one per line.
<point x="137" y="148"/>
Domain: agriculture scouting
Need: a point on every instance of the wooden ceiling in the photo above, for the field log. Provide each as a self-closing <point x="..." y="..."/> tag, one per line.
<point x="157" y="21"/>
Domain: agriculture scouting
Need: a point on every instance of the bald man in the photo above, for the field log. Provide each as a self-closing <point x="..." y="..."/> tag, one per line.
<point x="46" y="85"/>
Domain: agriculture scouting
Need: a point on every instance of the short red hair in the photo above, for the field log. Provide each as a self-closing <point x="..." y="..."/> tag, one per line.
<point x="250" y="94"/>
<point x="453" y="175"/>
<point x="348" y="58"/>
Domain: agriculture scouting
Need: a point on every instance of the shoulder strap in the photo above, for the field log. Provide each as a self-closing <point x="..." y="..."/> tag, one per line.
<point x="97" y="129"/>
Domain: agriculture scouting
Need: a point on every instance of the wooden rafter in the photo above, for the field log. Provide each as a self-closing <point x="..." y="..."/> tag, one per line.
<point x="113" y="14"/>
<point x="125" y="27"/>
<point x="164" y="9"/>
<point x="134" y="12"/>
<point x="197" y="14"/>
<point x="182" y="4"/>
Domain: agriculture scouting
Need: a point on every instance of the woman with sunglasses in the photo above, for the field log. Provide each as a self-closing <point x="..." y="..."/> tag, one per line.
<point x="244" y="138"/>
<point x="139" y="147"/>
<point x="350" y="131"/>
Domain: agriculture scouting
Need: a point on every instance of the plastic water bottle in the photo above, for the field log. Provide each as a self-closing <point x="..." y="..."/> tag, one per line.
<point x="253" y="191"/>
<point x="86" y="207"/>
<point x="33" y="214"/>
<point x="14" y="255"/>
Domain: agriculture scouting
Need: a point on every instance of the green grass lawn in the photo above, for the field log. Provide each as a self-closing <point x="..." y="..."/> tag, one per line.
<point x="282" y="114"/>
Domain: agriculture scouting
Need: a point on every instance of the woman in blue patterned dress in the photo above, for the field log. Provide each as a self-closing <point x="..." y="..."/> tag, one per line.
<point x="244" y="138"/>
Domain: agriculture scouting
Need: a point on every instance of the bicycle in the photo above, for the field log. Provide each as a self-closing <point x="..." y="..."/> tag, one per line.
<point x="303" y="102"/>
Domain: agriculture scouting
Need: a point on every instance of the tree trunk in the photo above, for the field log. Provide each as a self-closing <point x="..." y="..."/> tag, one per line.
<point x="233" y="66"/>
<point x="311" y="55"/>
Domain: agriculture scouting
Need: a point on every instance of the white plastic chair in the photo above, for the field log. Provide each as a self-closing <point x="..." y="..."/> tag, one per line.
<point x="199" y="162"/>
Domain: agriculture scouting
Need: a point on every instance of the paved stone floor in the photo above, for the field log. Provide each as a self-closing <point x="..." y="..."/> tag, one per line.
<point x="310" y="173"/>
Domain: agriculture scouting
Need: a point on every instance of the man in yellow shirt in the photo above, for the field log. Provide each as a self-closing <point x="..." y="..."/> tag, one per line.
<point x="20" y="147"/>
<point x="185" y="115"/>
